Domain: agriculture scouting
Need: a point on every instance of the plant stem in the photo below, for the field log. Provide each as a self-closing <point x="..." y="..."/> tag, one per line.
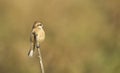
<point x="40" y="61"/>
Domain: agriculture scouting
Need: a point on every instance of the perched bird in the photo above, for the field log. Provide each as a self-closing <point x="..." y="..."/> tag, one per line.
<point x="36" y="37"/>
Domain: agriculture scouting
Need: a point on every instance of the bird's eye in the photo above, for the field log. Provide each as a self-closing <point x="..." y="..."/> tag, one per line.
<point x="40" y="25"/>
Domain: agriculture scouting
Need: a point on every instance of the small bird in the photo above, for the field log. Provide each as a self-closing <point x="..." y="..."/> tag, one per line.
<point x="36" y="37"/>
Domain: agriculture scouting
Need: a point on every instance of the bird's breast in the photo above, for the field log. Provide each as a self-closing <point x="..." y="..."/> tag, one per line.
<point x="41" y="35"/>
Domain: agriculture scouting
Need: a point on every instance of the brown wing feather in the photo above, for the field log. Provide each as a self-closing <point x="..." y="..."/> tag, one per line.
<point x="32" y="40"/>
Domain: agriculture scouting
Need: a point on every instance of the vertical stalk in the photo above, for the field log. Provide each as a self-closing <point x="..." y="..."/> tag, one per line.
<point x="40" y="61"/>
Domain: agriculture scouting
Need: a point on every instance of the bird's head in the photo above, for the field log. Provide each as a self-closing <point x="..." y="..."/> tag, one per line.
<point x="37" y="24"/>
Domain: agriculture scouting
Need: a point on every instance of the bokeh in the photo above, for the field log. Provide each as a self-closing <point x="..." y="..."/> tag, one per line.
<point x="82" y="36"/>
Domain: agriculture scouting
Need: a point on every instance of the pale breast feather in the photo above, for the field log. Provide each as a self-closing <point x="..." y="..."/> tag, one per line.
<point x="41" y="35"/>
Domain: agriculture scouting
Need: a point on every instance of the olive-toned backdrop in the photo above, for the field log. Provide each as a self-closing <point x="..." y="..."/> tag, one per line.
<point x="82" y="36"/>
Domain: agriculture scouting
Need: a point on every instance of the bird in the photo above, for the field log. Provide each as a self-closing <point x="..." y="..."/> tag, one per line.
<point x="36" y="37"/>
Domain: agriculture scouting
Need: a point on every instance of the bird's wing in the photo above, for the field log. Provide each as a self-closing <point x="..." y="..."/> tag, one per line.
<point x="33" y="40"/>
<point x="32" y="37"/>
<point x="32" y="44"/>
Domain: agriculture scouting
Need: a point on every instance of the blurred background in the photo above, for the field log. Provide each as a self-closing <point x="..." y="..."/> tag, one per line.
<point x="82" y="36"/>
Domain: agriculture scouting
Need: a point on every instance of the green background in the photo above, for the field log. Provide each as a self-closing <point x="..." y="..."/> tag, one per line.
<point x="82" y="36"/>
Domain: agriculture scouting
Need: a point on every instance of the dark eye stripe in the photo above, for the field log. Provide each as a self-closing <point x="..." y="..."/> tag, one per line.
<point x="38" y="25"/>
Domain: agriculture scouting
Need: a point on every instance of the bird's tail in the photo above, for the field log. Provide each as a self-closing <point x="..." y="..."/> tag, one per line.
<point x="30" y="53"/>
